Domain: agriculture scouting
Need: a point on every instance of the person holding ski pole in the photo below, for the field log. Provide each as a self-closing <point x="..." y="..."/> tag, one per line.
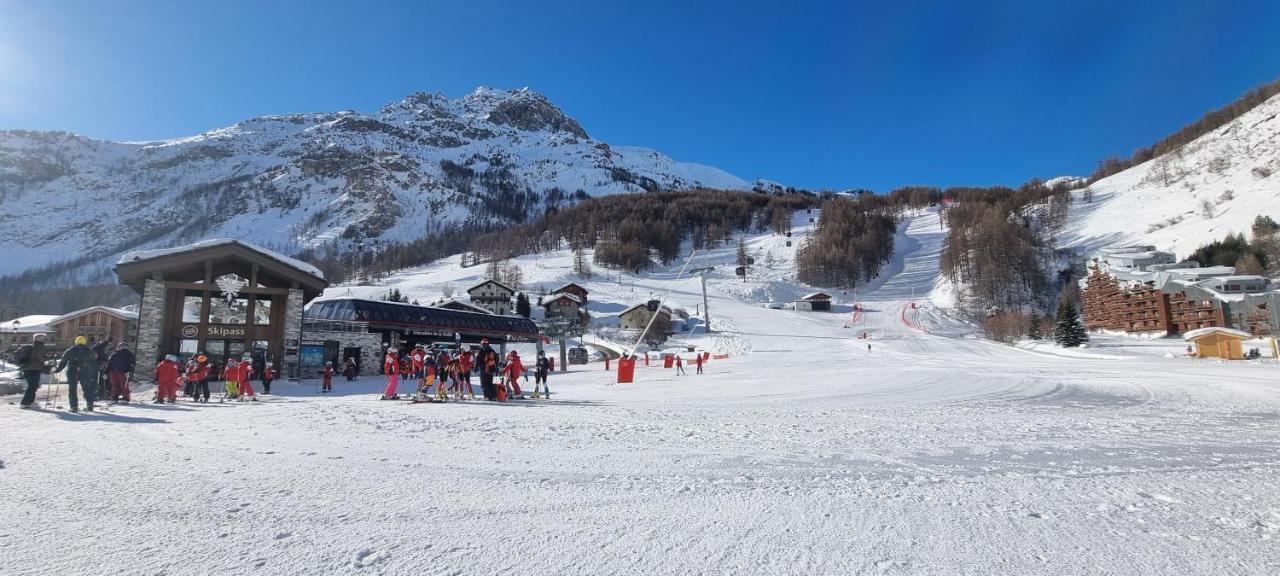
<point x="680" y="366"/>
<point x="82" y="370"/>
<point x="541" y="367"/>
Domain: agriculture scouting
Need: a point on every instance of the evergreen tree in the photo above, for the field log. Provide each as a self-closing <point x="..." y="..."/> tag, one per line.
<point x="1069" y="331"/>
<point x="522" y="305"/>
<point x="1034" y="328"/>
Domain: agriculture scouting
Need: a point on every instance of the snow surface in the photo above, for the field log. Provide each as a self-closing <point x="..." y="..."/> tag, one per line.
<point x="1235" y="169"/>
<point x="920" y="450"/>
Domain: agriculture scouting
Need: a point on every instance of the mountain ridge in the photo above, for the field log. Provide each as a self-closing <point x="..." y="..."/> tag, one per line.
<point x="310" y="180"/>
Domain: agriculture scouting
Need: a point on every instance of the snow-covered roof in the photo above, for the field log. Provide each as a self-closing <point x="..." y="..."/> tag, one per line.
<point x="137" y="255"/>
<point x="664" y="309"/>
<point x="117" y="312"/>
<point x="816" y="296"/>
<point x="504" y="286"/>
<point x="549" y="298"/>
<point x="1248" y="278"/>
<point x="29" y="324"/>
<point x="453" y="302"/>
<point x="1199" y="332"/>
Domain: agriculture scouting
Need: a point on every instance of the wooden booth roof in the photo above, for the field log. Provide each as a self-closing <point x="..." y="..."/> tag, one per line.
<point x="223" y="256"/>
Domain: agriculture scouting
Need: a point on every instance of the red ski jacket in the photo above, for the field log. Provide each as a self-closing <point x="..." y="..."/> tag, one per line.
<point x="198" y="372"/>
<point x="167" y="372"/>
<point x="268" y="373"/>
<point x="514" y="369"/>
<point x="390" y="364"/>
<point x="417" y="357"/>
<point x="243" y="371"/>
<point x="464" y="362"/>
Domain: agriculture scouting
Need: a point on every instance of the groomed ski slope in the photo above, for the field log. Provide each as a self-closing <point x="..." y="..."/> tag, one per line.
<point x="804" y="453"/>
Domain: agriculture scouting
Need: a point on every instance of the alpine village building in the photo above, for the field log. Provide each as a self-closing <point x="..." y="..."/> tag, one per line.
<point x="1139" y="290"/>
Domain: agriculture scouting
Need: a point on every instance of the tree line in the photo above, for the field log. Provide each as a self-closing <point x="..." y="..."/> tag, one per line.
<point x="852" y="242"/>
<point x="1208" y="123"/>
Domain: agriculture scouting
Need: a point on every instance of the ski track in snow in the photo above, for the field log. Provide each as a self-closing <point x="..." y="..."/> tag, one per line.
<point x="932" y="453"/>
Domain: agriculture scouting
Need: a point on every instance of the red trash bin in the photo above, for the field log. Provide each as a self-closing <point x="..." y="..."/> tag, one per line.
<point x="626" y="370"/>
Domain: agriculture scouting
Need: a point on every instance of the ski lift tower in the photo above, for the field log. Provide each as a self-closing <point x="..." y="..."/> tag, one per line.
<point x="706" y="309"/>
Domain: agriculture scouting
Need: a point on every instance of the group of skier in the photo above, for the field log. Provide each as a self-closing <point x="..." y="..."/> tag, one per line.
<point x="88" y="370"/>
<point x="236" y="374"/>
<point x="440" y="374"/>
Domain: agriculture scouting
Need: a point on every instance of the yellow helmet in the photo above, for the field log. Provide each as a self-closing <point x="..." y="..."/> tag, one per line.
<point x="80" y="340"/>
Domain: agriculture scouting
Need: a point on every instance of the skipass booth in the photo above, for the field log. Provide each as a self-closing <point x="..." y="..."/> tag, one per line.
<point x="220" y="297"/>
<point x="341" y="328"/>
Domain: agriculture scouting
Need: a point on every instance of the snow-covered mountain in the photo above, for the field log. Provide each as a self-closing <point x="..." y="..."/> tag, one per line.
<point x="1214" y="185"/>
<point x="303" y="180"/>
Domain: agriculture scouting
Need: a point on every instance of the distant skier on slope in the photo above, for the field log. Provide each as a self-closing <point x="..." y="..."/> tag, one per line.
<point x="680" y="366"/>
<point x="697" y="361"/>
<point x="464" y="373"/>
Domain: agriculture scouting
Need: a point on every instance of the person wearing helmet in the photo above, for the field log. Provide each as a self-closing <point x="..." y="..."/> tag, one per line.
<point x="198" y="378"/>
<point x="327" y="386"/>
<point x="244" y="374"/>
<point x="464" y="373"/>
<point x="82" y="370"/>
<point x="541" y="367"/>
<point x="391" y="367"/>
<point x="487" y="361"/>
<point x="230" y="375"/>
<point x="119" y="366"/>
<point x="513" y="370"/>
<point x="168" y="380"/>
<point x="30" y="360"/>
<point x="268" y="376"/>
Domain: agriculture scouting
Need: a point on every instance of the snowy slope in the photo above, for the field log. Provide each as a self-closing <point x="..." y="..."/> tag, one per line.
<point x="1235" y="170"/>
<point x="293" y="181"/>
<point x="806" y="452"/>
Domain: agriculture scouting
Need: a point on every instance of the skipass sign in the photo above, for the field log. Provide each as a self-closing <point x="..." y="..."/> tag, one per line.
<point x="213" y="331"/>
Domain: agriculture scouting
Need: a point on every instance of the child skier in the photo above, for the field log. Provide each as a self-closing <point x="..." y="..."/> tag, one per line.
<point x="391" y="367"/>
<point x="464" y="373"/>
<point x="198" y="378"/>
<point x="513" y="371"/>
<point x="680" y="366"/>
<point x="244" y="371"/>
<point x="168" y="379"/>
<point x="541" y="367"/>
<point x="697" y="360"/>
<point x="231" y="385"/>
<point x="327" y="386"/>
<point x="268" y="376"/>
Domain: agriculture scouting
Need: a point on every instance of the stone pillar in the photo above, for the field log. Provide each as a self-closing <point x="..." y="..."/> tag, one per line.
<point x="293" y="330"/>
<point x="150" y="325"/>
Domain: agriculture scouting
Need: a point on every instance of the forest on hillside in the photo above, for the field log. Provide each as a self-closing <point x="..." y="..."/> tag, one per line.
<point x="1205" y="124"/>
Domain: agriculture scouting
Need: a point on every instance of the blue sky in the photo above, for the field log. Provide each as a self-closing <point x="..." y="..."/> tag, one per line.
<point x="814" y="94"/>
